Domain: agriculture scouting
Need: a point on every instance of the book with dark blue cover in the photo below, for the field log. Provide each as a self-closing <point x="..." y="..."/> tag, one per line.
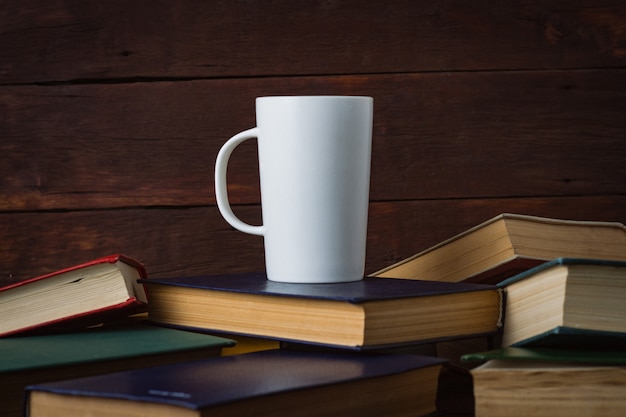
<point x="282" y="382"/>
<point x="368" y="289"/>
<point x="368" y="314"/>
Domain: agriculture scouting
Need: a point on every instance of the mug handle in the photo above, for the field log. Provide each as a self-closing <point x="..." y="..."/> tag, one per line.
<point x="221" y="190"/>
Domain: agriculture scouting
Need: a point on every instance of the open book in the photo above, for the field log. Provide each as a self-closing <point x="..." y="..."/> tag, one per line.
<point x="509" y="244"/>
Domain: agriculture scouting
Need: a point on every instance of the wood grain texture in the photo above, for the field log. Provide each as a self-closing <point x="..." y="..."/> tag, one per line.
<point x="112" y="113"/>
<point x="440" y="135"/>
<point x="194" y="241"/>
<point x="63" y="40"/>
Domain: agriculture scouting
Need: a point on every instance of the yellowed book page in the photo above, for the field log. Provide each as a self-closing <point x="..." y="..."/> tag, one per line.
<point x="524" y="388"/>
<point x="534" y="305"/>
<point x="318" y="321"/>
<point x="454" y="259"/>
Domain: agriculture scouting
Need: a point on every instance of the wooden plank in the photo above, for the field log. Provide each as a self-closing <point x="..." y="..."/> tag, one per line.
<point x="192" y="241"/>
<point x="169" y="241"/>
<point x="61" y="40"/>
<point x="439" y="135"/>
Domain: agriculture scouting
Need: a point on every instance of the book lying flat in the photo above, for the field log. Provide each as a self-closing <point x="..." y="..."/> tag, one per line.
<point x="372" y="313"/>
<point x="509" y="244"/>
<point x="574" y="303"/>
<point x="101" y="290"/>
<point x="275" y="382"/>
<point x="28" y="360"/>
<point x="549" y="383"/>
<point x="561" y="336"/>
<point x="522" y="354"/>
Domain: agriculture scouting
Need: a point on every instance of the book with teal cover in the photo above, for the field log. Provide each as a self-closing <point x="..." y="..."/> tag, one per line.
<point x="33" y="359"/>
<point x="573" y="338"/>
<point x="19" y="354"/>
<point x="263" y="381"/>
<point x="582" y="356"/>
<point x="572" y="303"/>
<point x="560" y="261"/>
<point x="548" y="382"/>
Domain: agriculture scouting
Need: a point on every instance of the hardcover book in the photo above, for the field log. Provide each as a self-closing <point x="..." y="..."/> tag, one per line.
<point x="525" y="354"/>
<point x="101" y="290"/>
<point x="576" y="303"/>
<point x="372" y="313"/>
<point x="549" y="383"/>
<point x="510" y="244"/>
<point x="28" y="360"/>
<point x="274" y="382"/>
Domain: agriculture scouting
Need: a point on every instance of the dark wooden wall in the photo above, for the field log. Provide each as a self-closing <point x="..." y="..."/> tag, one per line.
<point x="112" y="113"/>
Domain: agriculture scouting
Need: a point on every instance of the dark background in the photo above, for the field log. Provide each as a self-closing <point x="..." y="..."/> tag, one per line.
<point x="112" y="113"/>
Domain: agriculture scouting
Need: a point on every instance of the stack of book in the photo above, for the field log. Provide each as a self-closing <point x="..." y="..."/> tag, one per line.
<point x="376" y="346"/>
<point x="562" y="349"/>
<point x="81" y="321"/>
<point x="563" y="343"/>
<point x="344" y="347"/>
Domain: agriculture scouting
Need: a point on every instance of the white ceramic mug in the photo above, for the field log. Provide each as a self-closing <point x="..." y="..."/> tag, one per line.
<point x="314" y="166"/>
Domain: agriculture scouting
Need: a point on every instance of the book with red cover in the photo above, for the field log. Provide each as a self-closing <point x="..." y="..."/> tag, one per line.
<point x="94" y="292"/>
<point x="274" y="382"/>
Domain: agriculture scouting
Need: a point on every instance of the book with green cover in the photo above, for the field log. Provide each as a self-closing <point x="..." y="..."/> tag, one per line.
<point x="604" y="357"/>
<point x="546" y="382"/>
<point x="567" y="302"/>
<point x="576" y="338"/>
<point x="36" y="359"/>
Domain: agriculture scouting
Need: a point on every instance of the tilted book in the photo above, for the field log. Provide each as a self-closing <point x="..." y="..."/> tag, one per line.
<point x="274" y="382"/>
<point x="366" y="314"/>
<point x="509" y="244"/>
<point x="101" y="290"/>
<point x="126" y="345"/>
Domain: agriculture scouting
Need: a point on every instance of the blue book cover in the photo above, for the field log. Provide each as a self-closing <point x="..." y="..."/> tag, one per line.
<point x="250" y="379"/>
<point x="373" y="313"/>
<point x="368" y="289"/>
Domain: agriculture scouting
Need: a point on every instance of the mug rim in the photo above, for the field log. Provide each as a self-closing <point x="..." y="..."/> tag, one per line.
<point x="314" y="97"/>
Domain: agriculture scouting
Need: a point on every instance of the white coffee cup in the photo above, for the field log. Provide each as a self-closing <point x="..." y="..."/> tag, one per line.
<point x="314" y="166"/>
